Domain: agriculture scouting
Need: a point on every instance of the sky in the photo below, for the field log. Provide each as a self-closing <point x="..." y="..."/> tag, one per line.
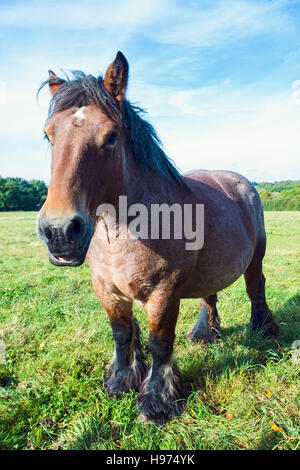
<point x="220" y="79"/>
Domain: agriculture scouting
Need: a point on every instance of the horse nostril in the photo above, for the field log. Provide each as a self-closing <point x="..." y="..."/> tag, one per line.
<point x="75" y="228"/>
<point x="48" y="233"/>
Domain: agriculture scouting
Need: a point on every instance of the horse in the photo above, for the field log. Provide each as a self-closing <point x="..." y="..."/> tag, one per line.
<point x="103" y="150"/>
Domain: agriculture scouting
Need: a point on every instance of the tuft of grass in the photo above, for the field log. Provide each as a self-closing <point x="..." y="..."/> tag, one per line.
<point x="58" y="343"/>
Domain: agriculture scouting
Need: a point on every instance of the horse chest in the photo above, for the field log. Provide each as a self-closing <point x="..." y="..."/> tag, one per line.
<point x="124" y="267"/>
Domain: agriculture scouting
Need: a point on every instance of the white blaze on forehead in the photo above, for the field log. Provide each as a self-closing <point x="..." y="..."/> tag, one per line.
<point x="79" y="113"/>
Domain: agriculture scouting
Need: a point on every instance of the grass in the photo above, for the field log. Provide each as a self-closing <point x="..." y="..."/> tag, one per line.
<point x="242" y="390"/>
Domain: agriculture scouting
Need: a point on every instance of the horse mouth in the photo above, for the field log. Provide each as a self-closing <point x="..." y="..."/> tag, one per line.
<point x="70" y="261"/>
<point x="73" y="257"/>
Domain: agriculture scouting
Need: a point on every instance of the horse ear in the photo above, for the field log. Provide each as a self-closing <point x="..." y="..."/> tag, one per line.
<point x="116" y="77"/>
<point x="54" y="82"/>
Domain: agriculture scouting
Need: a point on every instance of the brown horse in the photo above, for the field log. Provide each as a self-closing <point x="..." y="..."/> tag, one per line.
<point x="103" y="149"/>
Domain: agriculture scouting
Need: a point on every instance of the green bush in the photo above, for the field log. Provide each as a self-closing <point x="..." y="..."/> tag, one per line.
<point x="280" y="196"/>
<point x="17" y="194"/>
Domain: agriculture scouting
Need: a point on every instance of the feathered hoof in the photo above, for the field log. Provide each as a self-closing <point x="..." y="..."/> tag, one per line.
<point x="206" y="336"/>
<point x="155" y="410"/>
<point x="162" y="397"/>
<point x="121" y="381"/>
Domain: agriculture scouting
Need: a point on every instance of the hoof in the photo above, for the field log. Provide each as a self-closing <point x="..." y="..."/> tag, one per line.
<point x="123" y="380"/>
<point x="206" y="336"/>
<point x="154" y="421"/>
<point x="268" y="329"/>
<point x="162" y="397"/>
<point x="155" y="410"/>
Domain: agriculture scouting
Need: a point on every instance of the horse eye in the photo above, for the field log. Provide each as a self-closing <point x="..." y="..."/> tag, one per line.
<point x="47" y="138"/>
<point x="111" y="139"/>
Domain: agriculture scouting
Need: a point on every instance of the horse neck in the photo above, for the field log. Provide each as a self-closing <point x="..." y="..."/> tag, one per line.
<point x="145" y="185"/>
<point x="140" y="186"/>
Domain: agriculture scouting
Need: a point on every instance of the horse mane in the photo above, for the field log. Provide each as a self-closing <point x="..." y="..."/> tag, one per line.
<point x="146" y="147"/>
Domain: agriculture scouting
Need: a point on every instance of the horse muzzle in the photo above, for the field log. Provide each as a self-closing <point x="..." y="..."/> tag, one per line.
<point x="67" y="240"/>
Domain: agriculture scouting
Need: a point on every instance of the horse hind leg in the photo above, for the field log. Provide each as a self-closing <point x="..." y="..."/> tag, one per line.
<point x="261" y="316"/>
<point x="207" y="327"/>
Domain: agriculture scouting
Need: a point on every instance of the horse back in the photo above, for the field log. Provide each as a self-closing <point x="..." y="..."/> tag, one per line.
<point x="229" y="187"/>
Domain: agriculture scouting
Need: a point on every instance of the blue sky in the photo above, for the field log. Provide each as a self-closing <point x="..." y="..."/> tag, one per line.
<point x="220" y="79"/>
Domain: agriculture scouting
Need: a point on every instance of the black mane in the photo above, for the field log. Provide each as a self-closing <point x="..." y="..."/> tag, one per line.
<point x="144" y="142"/>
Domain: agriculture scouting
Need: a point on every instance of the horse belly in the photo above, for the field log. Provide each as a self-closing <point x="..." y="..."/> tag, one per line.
<point x="218" y="268"/>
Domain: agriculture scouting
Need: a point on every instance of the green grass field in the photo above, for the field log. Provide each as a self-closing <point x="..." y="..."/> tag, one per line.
<point x="242" y="390"/>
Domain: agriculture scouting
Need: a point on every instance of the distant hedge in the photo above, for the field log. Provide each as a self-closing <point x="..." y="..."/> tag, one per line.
<point x="280" y="196"/>
<point x="17" y="194"/>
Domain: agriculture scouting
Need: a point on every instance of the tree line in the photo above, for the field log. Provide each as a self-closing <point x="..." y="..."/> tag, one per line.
<point x="280" y="196"/>
<point x="18" y="194"/>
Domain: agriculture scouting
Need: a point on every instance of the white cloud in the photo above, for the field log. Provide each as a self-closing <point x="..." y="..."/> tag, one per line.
<point x="180" y="100"/>
<point x="226" y="21"/>
<point x="170" y="22"/>
<point x="2" y="92"/>
<point x="263" y="144"/>
<point x="211" y="101"/>
<point x="75" y="15"/>
<point x="296" y="93"/>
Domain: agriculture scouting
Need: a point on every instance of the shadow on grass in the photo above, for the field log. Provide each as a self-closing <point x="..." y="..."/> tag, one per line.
<point x="223" y="358"/>
<point x="7" y="380"/>
<point x="268" y="442"/>
<point x="288" y="315"/>
<point x="94" y="433"/>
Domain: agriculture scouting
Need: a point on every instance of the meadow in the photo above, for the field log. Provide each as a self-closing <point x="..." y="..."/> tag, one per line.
<point x="56" y="344"/>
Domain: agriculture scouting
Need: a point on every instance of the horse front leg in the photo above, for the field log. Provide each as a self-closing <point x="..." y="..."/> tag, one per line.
<point x="127" y="368"/>
<point x="162" y="394"/>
